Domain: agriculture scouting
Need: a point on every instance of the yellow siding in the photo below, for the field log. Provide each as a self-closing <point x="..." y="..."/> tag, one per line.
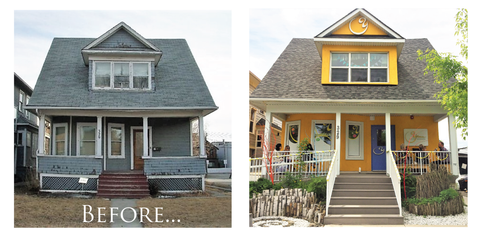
<point x="400" y="122"/>
<point x="357" y="27"/>
<point x="392" y="62"/>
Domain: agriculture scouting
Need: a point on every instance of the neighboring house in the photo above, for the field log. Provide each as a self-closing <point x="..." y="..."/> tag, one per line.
<point x="224" y="154"/>
<point x="257" y="124"/>
<point x="120" y="102"/>
<point x="210" y="150"/>
<point x="356" y="88"/>
<point x="25" y="129"/>
<point x="463" y="160"/>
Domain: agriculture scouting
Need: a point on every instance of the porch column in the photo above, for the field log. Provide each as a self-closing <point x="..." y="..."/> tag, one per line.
<point x="338" y="124"/>
<point x="388" y="139"/>
<point x="98" y="138"/>
<point x="41" y="136"/>
<point x="201" y="134"/>
<point x="145" y="136"/>
<point x="452" y="132"/>
<point x="266" y="140"/>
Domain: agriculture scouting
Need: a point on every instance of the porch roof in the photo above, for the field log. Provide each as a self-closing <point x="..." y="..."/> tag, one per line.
<point x="296" y="75"/>
<point x="64" y="81"/>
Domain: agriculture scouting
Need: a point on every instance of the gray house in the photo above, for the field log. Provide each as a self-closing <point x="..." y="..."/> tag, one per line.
<point x="119" y="105"/>
<point x="25" y="130"/>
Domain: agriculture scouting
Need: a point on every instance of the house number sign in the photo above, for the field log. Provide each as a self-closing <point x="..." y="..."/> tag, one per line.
<point x="338" y="131"/>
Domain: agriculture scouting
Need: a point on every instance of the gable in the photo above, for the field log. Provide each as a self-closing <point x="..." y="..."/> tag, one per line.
<point x="122" y="40"/>
<point x="359" y="25"/>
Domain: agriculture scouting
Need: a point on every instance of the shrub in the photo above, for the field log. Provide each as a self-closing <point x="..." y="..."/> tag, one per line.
<point x="410" y="185"/>
<point x="153" y="188"/>
<point x="318" y="185"/>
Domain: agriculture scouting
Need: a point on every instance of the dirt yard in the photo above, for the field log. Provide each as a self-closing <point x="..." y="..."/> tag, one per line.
<point x="191" y="211"/>
<point x="48" y="211"/>
<point x="210" y="209"/>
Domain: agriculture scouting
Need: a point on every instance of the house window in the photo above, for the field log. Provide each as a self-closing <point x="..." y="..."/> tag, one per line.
<point x="86" y="139"/>
<point x="21" y="101"/>
<point x="259" y="140"/>
<point x="252" y="120"/>
<point x="34" y="144"/>
<point x="359" y="67"/>
<point x="116" y="140"/>
<point x="60" y="142"/>
<point x="121" y="75"/>
<point x="354" y="137"/>
<point x="27" y="114"/>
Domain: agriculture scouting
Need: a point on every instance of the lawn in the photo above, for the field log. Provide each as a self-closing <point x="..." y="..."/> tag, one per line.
<point x="191" y="211"/>
<point x="210" y="209"/>
<point x="47" y="211"/>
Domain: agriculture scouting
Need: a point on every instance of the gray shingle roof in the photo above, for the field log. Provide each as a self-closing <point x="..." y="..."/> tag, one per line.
<point x="63" y="81"/>
<point x="297" y="75"/>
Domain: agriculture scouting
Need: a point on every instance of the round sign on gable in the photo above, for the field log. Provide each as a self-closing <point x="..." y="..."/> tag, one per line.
<point x="362" y="21"/>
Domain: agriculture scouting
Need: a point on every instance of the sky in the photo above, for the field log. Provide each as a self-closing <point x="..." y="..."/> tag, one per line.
<point x="271" y="30"/>
<point x="208" y="34"/>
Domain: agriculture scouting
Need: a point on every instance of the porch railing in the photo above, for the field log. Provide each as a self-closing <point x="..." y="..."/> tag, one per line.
<point x="333" y="172"/>
<point x="392" y="171"/>
<point x="278" y="164"/>
<point x="420" y="162"/>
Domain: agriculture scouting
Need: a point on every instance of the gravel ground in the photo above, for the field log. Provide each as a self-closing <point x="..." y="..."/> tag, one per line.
<point x="457" y="220"/>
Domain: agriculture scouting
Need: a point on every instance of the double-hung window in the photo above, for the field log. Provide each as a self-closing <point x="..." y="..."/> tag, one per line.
<point x="60" y="137"/>
<point x="359" y="67"/>
<point x="121" y="75"/>
<point x="86" y="139"/>
<point x="116" y="140"/>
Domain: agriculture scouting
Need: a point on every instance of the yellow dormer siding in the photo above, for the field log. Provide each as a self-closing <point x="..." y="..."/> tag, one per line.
<point x="356" y="26"/>
<point x="327" y="50"/>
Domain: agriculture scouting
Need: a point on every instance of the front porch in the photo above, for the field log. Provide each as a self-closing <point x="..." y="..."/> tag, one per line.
<point x="158" y="145"/>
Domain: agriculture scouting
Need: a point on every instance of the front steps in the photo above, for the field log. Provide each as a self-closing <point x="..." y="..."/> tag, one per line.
<point x="122" y="184"/>
<point x="363" y="199"/>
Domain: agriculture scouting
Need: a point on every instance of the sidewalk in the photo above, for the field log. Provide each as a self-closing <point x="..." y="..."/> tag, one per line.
<point x="130" y="216"/>
<point x="222" y="181"/>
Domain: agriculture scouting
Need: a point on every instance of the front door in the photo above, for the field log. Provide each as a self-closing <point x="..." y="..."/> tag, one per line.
<point x="379" y="151"/>
<point x="292" y="135"/>
<point x="138" y="148"/>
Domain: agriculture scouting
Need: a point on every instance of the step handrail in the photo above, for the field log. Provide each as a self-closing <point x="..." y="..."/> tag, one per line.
<point x="332" y="175"/>
<point x="394" y="175"/>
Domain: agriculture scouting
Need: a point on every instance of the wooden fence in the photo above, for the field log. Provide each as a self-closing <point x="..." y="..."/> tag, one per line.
<point x="289" y="203"/>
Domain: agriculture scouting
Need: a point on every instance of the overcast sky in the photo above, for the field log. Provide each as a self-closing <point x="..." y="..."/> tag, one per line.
<point x="208" y="33"/>
<point x="271" y="30"/>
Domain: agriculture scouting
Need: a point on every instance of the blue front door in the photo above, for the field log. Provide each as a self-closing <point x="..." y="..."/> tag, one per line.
<point x="379" y="150"/>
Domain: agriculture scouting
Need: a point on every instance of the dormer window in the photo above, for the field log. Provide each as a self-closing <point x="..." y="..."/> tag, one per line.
<point x="359" y="67"/>
<point x="121" y="75"/>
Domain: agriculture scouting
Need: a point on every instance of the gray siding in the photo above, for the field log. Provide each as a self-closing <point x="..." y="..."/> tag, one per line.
<point x="69" y="165"/>
<point x="172" y="136"/>
<point x="175" y="166"/>
<point x="122" y="39"/>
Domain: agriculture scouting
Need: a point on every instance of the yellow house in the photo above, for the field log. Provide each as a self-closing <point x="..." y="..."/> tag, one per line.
<point x="356" y="92"/>
<point x="357" y="88"/>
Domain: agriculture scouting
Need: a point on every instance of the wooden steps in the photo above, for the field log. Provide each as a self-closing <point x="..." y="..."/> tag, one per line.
<point x="122" y="184"/>
<point x="363" y="199"/>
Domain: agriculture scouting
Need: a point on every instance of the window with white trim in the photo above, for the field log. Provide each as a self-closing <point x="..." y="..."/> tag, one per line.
<point x="60" y="131"/>
<point x="116" y="140"/>
<point x="21" y="102"/>
<point x="354" y="138"/>
<point x="359" y="67"/>
<point x="86" y="139"/>
<point x="121" y="75"/>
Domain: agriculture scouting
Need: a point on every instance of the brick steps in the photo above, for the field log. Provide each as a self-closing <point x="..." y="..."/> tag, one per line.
<point x="122" y="184"/>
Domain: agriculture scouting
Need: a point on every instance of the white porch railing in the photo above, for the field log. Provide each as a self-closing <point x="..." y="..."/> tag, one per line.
<point x="419" y="162"/>
<point x="311" y="163"/>
<point x="392" y="172"/>
<point x="333" y="172"/>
